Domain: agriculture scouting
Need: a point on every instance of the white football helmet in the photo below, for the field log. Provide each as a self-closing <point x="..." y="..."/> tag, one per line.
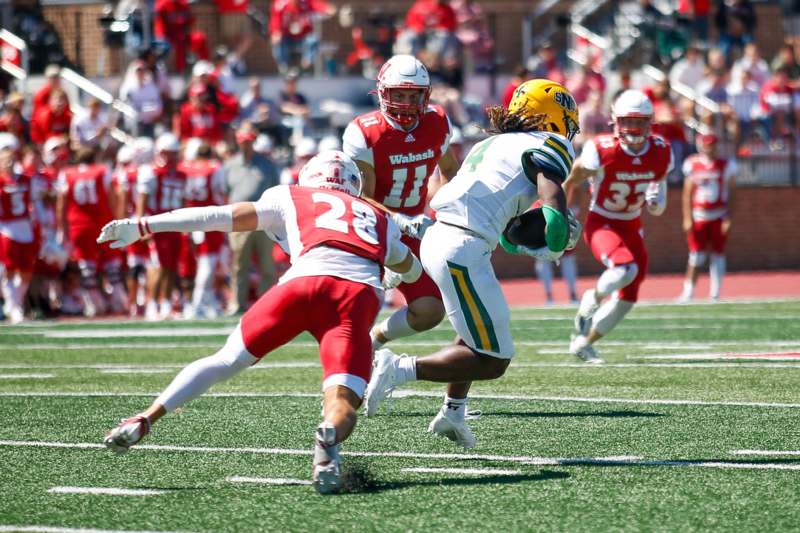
<point x="329" y="142"/>
<point x="143" y="149"/>
<point x="55" y="149"/>
<point x="331" y="170"/>
<point x="632" y="112"/>
<point x="306" y="147"/>
<point x="125" y="154"/>
<point x="167" y="142"/>
<point x="403" y="72"/>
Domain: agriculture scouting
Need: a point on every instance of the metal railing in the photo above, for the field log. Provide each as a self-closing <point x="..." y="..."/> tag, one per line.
<point x="91" y="88"/>
<point x="20" y="71"/>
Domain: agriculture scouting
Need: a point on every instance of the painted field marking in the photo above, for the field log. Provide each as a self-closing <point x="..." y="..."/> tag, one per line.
<point x="106" y="491"/>
<point x="268" y="480"/>
<point x="766" y="452"/>
<point x="634" y="461"/>
<point x="111" y="333"/>
<point x="52" y="529"/>
<point x="27" y="376"/>
<point x="779" y="356"/>
<point x="408" y="393"/>
<point x="465" y="471"/>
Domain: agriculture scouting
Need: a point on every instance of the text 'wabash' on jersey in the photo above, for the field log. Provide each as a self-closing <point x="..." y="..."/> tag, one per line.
<point x="403" y="160"/>
<point x="709" y="179"/>
<point x="330" y="233"/>
<point x="622" y="177"/>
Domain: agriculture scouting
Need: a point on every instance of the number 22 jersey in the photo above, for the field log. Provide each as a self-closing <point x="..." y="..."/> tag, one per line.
<point x="330" y="233"/>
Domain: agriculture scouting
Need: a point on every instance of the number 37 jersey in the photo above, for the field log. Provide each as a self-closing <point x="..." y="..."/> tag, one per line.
<point x="330" y="233"/>
<point x="622" y="177"/>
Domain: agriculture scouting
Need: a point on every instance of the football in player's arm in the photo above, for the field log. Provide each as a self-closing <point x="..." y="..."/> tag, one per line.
<point x="628" y="170"/>
<point x="529" y="153"/>
<point x="338" y="246"/>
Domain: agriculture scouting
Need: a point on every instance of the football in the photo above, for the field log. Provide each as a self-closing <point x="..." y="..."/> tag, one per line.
<point x="527" y="229"/>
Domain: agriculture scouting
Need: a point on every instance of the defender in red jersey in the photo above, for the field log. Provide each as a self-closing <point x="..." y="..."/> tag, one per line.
<point x="161" y="188"/>
<point x="205" y="185"/>
<point x="18" y="248"/>
<point x="397" y="149"/>
<point x="86" y="202"/>
<point x="339" y="246"/>
<point x="628" y="170"/>
<point x="706" y="213"/>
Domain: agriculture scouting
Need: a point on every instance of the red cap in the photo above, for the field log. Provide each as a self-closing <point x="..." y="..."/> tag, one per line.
<point x="245" y="135"/>
<point x="197" y="89"/>
<point x="708" y="138"/>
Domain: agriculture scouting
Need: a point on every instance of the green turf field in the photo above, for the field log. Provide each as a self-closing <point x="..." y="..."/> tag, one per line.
<point x="672" y="434"/>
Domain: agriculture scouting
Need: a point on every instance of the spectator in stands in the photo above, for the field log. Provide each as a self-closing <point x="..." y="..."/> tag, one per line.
<point x="786" y="57"/>
<point x="224" y="64"/>
<point x="594" y="118"/>
<point x="293" y="103"/>
<point x="743" y="97"/>
<point x="172" y="21"/>
<point x="157" y="70"/>
<point x="713" y="86"/>
<point x="584" y="81"/>
<point x="429" y="25"/>
<point x="262" y="112"/>
<point x="752" y="61"/>
<point x="545" y="64"/>
<point x="697" y="13"/>
<point x="689" y="70"/>
<point x="141" y="92"/>
<point x="52" y="76"/>
<point x="716" y="60"/>
<point x="90" y="128"/>
<point x="199" y="117"/>
<point x="306" y="149"/>
<point x="292" y="31"/>
<point x="472" y="32"/>
<point x="736" y="22"/>
<point x="247" y="176"/>
<point x="780" y="104"/>
<point x="12" y="120"/>
<point x="518" y="77"/>
<point x="53" y="119"/>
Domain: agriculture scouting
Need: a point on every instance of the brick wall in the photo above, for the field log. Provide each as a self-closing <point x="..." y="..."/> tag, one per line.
<point x="765" y="234"/>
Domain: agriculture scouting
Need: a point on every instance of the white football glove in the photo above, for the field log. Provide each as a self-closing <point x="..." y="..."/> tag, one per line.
<point x="543" y="254"/>
<point x="651" y="193"/>
<point x="391" y="279"/>
<point x="121" y="233"/>
<point x="413" y="226"/>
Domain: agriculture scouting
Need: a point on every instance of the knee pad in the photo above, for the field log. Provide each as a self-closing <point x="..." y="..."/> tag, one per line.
<point x="617" y="277"/>
<point x="697" y="259"/>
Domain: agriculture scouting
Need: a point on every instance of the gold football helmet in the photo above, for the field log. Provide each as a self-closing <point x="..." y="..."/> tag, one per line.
<point x="548" y="98"/>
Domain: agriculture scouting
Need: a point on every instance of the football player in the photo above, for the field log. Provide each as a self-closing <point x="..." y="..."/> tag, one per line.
<point x="161" y="187"/>
<point x="627" y="169"/>
<point x="707" y="191"/>
<point x="339" y="244"/>
<point x="397" y="149"/>
<point x="529" y="154"/>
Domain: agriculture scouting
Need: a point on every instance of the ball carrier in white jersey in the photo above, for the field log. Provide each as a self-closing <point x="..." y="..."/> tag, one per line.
<point x="338" y="245"/>
<point x="528" y="156"/>
<point x="398" y="149"/>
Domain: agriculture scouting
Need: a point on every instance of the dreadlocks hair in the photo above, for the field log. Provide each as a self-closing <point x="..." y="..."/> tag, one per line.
<point x="504" y="122"/>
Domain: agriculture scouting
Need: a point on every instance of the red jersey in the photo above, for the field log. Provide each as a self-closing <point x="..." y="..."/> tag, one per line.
<point x="293" y="18"/>
<point x="124" y="179"/>
<point x="165" y="188"/>
<point x="86" y="189"/>
<point x="709" y="179"/>
<point x="15" y="197"/>
<point x="45" y="124"/>
<point x="203" y="123"/>
<point x="204" y="182"/>
<point x="403" y="160"/>
<point x="622" y="178"/>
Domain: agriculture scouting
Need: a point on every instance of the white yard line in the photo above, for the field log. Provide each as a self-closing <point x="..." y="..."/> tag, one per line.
<point x="110" y="333"/>
<point x="27" y="376"/>
<point x="465" y="471"/>
<point x="766" y="452"/>
<point x="721" y="356"/>
<point x="106" y="491"/>
<point x="407" y="393"/>
<point x="268" y="480"/>
<point x="633" y="461"/>
<point x="52" y="529"/>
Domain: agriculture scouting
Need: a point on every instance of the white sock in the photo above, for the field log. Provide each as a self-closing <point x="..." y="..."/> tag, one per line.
<point x="396" y="326"/>
<point x="206" y="265"/>
<point x="199" y="376"/>
<point x="406" y="370"/>
<point x="716" y="270"/>
<point x="454" y="408"/>
<point x="610" y="314"/>
<point x="688" y="289"/>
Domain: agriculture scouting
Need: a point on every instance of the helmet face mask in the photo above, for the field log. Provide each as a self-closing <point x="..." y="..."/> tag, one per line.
<point x="633" y="114"/>
<point x="334" y="170"/>
<point x="632" y="130"/>
<point x="404" y="88"/>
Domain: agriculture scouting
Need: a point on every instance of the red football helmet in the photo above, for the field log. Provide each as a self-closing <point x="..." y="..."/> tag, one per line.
<point x="403" y="72"/>
<point x="633" y="113"/>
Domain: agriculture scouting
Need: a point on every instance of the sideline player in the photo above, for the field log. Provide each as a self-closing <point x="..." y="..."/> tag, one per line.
<point x="339" y="245"/>
<point x="528" y="155"/>
<point x="628" y="168"/>
<point x="397" y="149"/>
<point x="706" y="213"/>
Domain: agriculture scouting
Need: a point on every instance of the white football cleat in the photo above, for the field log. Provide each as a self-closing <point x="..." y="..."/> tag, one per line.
<point x="586" y="310"/>
<point x="326" y="477"/>
<point x="456" y="430"/>
<point x="127" y="433"/>
<point x="583" y="350"/>
<point x="383" y="380"/>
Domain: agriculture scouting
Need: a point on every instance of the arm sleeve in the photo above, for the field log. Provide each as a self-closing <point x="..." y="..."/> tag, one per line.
<point x="446" y="143"/>
<point x="271" y="214"/>
<point x="145" y="180"/>
<point x="210" y="218"/>
<point x="590" y="158"/>
<point x="354" y="144"/>
<point x="61" y="185"/>
<point x="396" y="251"/>
<point x="687" y="167"/>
